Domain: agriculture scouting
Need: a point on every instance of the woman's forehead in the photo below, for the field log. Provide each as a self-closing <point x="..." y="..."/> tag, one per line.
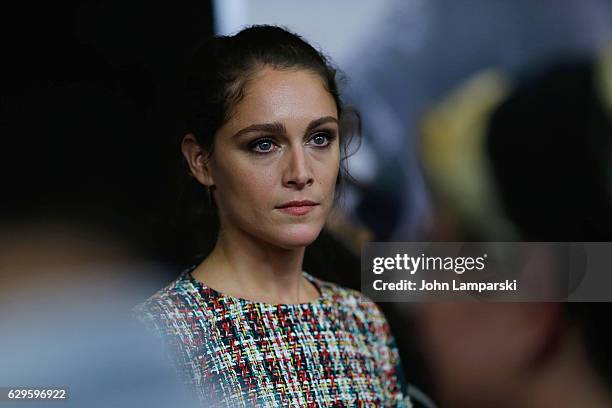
<point x="289" y="94"/>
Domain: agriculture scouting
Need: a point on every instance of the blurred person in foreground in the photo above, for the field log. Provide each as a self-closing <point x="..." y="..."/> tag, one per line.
<point x="73" y="247"/>
<point x="529" y="164"/>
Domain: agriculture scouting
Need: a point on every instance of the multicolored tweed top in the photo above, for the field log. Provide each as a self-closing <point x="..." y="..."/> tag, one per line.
<point x="334" y="351"/>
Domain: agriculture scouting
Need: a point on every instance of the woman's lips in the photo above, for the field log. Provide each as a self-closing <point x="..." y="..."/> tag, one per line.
<point x="298" y="209"/>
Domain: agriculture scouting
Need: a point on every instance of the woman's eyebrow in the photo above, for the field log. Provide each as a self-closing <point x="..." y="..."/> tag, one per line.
<point x="275" y="127"/>
<point x="318" y="122"/>
<point x="279" y="128"/>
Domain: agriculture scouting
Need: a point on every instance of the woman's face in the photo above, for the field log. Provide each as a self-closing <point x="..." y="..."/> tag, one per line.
<point x="279" y="148"/>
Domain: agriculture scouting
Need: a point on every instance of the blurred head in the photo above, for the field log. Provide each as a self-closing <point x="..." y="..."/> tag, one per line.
<point x="265" y="132"/>
<point x="550" y="151"/>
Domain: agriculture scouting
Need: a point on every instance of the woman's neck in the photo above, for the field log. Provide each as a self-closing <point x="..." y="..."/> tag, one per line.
<point x="244" y="267"/>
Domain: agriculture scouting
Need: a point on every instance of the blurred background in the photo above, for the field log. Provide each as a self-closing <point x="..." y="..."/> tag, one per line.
<point x="481" y="119"/>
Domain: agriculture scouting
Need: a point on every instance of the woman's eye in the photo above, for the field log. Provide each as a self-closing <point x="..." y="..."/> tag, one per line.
<point x="320" y="139"/>
<point x="262" y="146"/>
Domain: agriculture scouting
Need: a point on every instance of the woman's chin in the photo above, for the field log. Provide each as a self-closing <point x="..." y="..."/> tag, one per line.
<point x="297" y="236"/>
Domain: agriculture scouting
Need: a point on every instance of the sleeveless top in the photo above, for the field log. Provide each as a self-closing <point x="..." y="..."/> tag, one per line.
<point x="336" y="350"/>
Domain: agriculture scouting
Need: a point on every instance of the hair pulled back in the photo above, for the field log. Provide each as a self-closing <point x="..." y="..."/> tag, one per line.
<point x="223" y="66"/>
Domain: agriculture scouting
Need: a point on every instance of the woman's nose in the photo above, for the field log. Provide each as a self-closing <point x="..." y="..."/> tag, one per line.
<point x="297" y="172"/>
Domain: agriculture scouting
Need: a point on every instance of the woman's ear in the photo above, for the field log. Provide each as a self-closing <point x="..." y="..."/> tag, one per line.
<point x="197" y="159"/>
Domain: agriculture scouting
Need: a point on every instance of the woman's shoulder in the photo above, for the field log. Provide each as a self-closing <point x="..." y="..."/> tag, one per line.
<point x="168" y="302"/>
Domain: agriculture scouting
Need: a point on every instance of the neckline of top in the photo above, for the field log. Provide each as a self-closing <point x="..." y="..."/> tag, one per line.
<point x="319" y="285"/>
